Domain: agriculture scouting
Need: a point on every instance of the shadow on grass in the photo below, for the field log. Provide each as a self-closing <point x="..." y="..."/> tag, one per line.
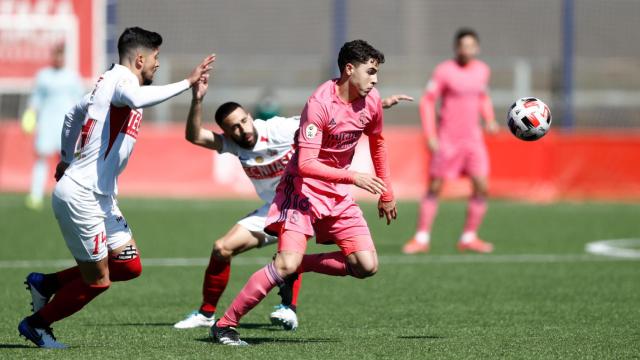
<point x="265" y="326"/>
<point x="162" y="324"/>
<point x="16" y="346"/>
<point x="267" y="340"/>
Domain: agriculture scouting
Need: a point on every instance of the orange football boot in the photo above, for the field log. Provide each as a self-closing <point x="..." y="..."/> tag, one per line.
<point x="477" y="245"/>
<point x="413" y="247"/>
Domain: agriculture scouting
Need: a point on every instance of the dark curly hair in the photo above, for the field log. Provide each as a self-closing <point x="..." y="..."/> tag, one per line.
<point x="358" y="52"/>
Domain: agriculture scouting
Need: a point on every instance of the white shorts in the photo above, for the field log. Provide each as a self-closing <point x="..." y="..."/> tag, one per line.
<point x="91" y="224"/>
<point x="254" y="222"/>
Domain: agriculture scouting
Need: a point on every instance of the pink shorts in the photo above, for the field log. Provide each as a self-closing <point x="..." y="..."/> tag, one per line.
<point x="330" y="220"/>
<point x="452" y="161"/>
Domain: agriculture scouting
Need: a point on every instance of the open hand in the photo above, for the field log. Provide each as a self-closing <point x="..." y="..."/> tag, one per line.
<point x="394" y="99"/>
<point x="60" y="169"/>
<point x="371" y="183"/>
<point x="203" y="68"/>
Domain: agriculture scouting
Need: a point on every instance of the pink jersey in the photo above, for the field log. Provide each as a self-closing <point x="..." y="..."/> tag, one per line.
<point x="333" y="126"/>
<point x="464" y="97"/>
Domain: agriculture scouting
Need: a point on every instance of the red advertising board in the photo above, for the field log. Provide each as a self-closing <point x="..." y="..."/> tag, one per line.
<point x="29" y="29"/>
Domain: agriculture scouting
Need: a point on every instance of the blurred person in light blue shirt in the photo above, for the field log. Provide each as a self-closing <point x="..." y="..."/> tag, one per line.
<point x="56" y="90"/>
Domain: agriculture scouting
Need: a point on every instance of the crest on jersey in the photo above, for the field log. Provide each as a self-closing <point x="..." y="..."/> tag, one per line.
<point x="259" y="159"/>
<point x="332" y="123"/>
<point x="363" y="118"/>
<point x="311" y="131"/>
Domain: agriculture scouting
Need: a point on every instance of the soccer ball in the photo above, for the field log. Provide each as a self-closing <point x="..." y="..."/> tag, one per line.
<point x="529" y="119"/>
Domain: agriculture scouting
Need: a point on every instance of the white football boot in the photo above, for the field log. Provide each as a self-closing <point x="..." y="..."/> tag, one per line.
<point x="195" y="320"/>
<point x="284" y="316"/>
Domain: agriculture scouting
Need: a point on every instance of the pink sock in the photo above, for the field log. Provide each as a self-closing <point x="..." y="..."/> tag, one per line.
<point x="475" y="213"/>
<point x="258" y="286"/>
<point x="428" y="211"/>
<point x="334" y="264"/>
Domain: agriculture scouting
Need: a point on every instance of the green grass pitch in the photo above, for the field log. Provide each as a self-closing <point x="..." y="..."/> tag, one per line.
<point x="538" y="296"/>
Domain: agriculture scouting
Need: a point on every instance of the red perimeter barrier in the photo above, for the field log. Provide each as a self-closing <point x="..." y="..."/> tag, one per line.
<point x="559" y="166"/>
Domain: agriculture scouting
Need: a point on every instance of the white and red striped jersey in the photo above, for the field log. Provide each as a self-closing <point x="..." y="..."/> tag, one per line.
<point x="265" y="163"/>
<point x="99" y="132"/>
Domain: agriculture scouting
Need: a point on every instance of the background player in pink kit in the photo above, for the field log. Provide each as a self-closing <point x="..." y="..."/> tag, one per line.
<point x="312" y="197"/>
<point x="457" y="146"/>
<point x="98" y="137"/>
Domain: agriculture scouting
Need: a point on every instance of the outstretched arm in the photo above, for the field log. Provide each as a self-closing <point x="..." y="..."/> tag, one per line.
<point x="394" y="99"/>
<point x="135" y="96"/>
<point x="194" y="133"/>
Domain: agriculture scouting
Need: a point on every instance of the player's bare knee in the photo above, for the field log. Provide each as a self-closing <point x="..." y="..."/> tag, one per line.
<point x="286" y="265"/>
<point x="221" y="251"/>
<point x="362" y="271"/>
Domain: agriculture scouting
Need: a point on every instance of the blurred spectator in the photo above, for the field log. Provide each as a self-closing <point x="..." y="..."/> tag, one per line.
<point x="268" y="106"/>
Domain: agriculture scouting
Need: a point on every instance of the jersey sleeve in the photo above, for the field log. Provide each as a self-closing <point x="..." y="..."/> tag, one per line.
<point x="312" y="124"/>
<point x="71" y="128"/>
<point x="427" y="106"/>
<point x="129" y="93"/>
<point x="283" y="130"/>
<point x="35" y="100"/>
<point x="486" y="105"/>
<point x="377" y="120"/>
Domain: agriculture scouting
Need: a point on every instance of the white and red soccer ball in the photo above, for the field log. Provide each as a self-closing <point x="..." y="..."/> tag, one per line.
<point x="529" y="118"/>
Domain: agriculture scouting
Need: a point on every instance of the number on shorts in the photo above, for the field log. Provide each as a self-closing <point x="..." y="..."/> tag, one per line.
<point x="99" y="238"/>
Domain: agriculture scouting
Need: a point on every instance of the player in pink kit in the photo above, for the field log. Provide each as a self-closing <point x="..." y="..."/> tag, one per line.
<point x="312" y="197"/>
<point x="97" y="140"/>
<point x="457" y="146"/>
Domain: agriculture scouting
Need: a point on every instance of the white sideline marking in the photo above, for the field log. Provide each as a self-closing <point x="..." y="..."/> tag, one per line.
<point x="621" y="248"/>
<point x="384" y="259"/>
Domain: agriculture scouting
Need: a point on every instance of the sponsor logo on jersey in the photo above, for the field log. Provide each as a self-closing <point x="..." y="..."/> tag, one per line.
<point x="332" y="123"/>
<point x="268" y="171"/>
<point x="344" y="139"/>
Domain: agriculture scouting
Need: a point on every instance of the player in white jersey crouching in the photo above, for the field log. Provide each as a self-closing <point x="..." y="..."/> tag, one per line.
<point x="263" y="148"/>
<point x="98" y="137"/>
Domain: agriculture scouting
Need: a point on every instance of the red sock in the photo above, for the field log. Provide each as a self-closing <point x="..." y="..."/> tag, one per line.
<point x="69" y="300"/>
<point x="68" y="275"/>
<point x="123" y="270"/>
<point x="296" y="290"/>
<point x="256" y="289"/>
<point x="216" y="278"/>
<point x="334" y="264"/>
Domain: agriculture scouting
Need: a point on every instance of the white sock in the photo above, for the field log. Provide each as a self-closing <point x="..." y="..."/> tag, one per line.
<point x="467" y="237"/>
<point x="39" y="179"/>
<point x="422" y="237"/>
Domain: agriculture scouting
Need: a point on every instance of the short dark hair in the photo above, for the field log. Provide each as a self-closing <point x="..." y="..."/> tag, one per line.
<point x="135" y="37"/>
<point x="465" y="31"/>
<point x="224" y="110"/>
<point x="358" y="52"/>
